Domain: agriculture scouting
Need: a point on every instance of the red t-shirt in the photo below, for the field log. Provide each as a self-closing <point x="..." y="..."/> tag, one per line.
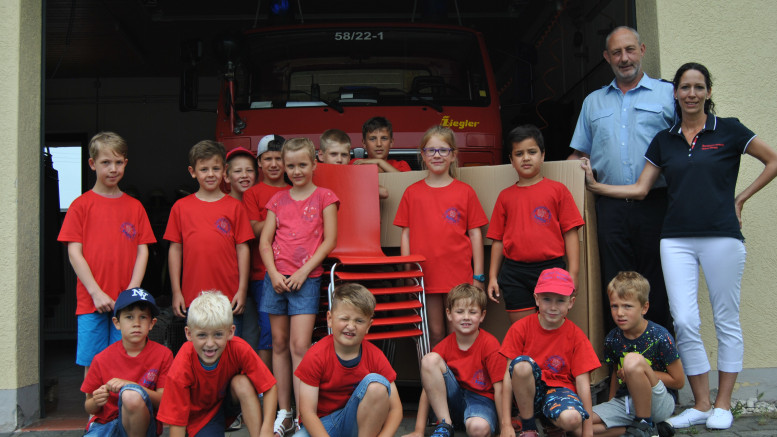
<point x="194" y="395"/>
<point x="321" y="368"/>
<point x="110" y="230"/>
<point x="531" y="221"/>
<point x="209" y="232"/>
<point x="439" y="219"/>
<point x="254" y="199"/>
<point x="397" y="164"/>
<point x="563" y="354"/>
<point x="477" y="368"/>
<point x="148" y="369"/>
<point x="299" y="228"/>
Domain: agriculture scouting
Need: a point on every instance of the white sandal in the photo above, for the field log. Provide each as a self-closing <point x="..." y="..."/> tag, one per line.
<point x="278" y="427"/>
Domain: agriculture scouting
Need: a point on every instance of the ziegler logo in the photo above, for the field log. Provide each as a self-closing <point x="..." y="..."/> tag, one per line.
<point x="461" y="124"/>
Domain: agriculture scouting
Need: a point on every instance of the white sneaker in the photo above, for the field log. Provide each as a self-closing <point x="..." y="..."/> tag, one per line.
<point x="720" y="419"/>
<point x="690" y="417"/>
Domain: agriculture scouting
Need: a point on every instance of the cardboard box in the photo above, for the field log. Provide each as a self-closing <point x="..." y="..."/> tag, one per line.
<point x="488" y="182"/>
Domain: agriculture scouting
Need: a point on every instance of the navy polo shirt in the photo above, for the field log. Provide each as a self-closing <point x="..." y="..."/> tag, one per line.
<point x="701" y="178"/>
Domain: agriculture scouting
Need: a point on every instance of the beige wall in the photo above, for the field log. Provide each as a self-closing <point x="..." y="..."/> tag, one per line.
<point x="735" y="41"/>
<point x="20" y="92"/>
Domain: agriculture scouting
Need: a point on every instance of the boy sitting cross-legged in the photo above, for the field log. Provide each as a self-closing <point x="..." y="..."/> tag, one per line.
<point x="462" y="376"/>
<point x="215" y="376"/>
<point x="549" y="362"/>
<point x="126" y="380"/>
<point x="347" y="384"/>
<point x="644" y="363"/>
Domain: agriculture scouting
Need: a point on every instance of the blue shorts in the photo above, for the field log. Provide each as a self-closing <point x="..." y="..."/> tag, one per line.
<point x="230" y="408"/>
<point x="95" y="333"/>
<point x="115" y="427"/>
<point x="550" y="401"/>
<point x="265" y="332"/>
<point x="343" y="423"/>
<point x="463" y="404"/>
<point x="306" y="300"/>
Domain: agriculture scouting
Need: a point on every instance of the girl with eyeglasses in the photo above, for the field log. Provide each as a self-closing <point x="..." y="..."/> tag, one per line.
<point x="440" y="218"/>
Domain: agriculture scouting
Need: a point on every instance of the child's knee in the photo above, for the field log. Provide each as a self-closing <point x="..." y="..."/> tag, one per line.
<point x="478" y="427"/>
<point x="132" y="401"/>
<point x="242" y="386"/>
<point x="634" y="363"/>
<point x="569" y="419"/>
<point x="522" y="370"/>
<point x="376" y="391"/>
<point x="432" y="361"/>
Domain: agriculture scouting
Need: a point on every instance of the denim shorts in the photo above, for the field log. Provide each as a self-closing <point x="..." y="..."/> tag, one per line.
<point x="95" y="333"/>
<point x="230" y="409"/>
<point x="343" y="423"/>
<point x="265" y="332"/>
<point x="463" y="404"/>
<point x="550" y="401"/>
<point x="306" y="300"/>
<point x="115" y="427"/>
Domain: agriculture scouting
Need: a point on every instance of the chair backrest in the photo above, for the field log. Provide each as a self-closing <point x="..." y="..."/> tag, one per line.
<point x="358" y="218"/>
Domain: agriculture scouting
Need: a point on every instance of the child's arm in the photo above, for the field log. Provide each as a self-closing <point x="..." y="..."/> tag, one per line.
<point x="177" y="431"/>
<point x="116" y="384"/>
<point x="506" y="403"/>
<point x="394" y="417"/>
<point x="174" y="264"/>
<point x="583" y="388"/>
<point x="269" y="403"/>
<point x="257" y="226"/>
<point x="497" y="249"/>
<point x="499" y="393"/>
<point x="295" y="281"/>
<point x="674" y="377"/>
<point x="572" y="245"/>
<point x="614" y="384"/>
<point x="268" y="259"/>
<point x="382" y="192"/>
<point x="308" y="403"/>
<point x="383" y="165"/>
<point x="243" y="269"/>
<point x="476" y="238"/>
<point x="95" y="400"/>
<point x="102" y="302"/>
<point x="421" y="417"/>
<point x="139" y="271"/>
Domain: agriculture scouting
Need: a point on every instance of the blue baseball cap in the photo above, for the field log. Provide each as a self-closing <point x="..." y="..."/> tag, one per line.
<point x="128" y="297"/>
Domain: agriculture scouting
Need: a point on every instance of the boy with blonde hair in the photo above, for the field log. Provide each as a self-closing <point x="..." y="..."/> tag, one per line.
<point x="334" y="147"/>
<point x="208" y="233"/>
<point x="462" y="376"/>
<point x="549" y="362"/>
<point x="215" y="376"/>
<point x="126" y="380"/>
<point x="347" y="384"/>
<point x="644" y="363"/>
<point x="107" y="235"/>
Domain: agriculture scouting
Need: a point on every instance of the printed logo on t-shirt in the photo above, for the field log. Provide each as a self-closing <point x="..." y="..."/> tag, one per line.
<point x="711" y="146"/>
<point x="128" y="230"/>
<point x="452" y="215"/>
<point x="309" y="213"/>
<point x="149" y="379"/>
<point x="479" y="378"/>
<point x="555" y="363"/>
<point x="542" y="215"/>
<point x="223" y="225"/>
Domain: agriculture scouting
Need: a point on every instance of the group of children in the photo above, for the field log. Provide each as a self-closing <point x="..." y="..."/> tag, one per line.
<point x="271" y="238"/>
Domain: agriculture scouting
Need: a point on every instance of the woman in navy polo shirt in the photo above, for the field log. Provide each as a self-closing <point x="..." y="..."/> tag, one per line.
<point x="699" y="156"/>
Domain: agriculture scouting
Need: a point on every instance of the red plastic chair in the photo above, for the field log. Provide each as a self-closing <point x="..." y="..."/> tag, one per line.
<point x="358" y="257"/>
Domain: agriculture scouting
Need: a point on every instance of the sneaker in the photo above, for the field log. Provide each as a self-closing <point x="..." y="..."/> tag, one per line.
<point x="442" y="430"/>
<point x="529" y="433"/>
<point x="720" y="419"/>
<point x="237" y="424"/>
<point x="689" y="417"/>
<point x="664" y="429"/>
<point x="641" y="429"/>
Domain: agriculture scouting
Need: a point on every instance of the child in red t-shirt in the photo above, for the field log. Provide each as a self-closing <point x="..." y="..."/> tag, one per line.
<point x="107" y="235"/>
<point x="215" y="376"/>
<point x="462" y="376"/>
<point x="208" y="233"/>
<point x="440" y="218"/>
<point x="347" y="384"/>
<point x="533" y="225"/>
<point x="268" y="155"/>
<point x="298" y="234"/>
<point x="378" y="138"/>
<point x="334" y="147"/>
<point x="549" y="362"/>
<point x="126" y="380"/>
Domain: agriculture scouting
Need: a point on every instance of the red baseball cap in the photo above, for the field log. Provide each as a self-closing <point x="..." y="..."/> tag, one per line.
<point x="239" y="151"/>
<point x="555" y="280"/>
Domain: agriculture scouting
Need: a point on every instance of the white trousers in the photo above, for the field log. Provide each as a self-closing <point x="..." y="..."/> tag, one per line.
<point x="723" y="261"/>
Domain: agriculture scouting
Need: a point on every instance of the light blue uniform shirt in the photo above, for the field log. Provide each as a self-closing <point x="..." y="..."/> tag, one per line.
<point x="615" y="129"/>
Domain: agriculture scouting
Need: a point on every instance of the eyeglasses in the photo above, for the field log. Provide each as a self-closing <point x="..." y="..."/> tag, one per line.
<point x="429" y="151"/>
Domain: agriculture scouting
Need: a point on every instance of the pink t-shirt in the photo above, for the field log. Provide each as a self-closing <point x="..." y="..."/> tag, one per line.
<point x="299" y="228"/>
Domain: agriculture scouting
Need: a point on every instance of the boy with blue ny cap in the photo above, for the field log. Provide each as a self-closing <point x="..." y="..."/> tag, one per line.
<point x="125" y="382"/>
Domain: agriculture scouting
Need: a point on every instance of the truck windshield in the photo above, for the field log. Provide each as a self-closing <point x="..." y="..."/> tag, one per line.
<point x="368" y="66"/>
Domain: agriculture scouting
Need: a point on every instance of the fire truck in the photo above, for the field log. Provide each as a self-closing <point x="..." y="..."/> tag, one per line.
<point x="300" y="80"/>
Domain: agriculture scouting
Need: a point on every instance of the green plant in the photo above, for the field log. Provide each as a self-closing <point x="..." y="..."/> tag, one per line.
<point x="738" y="409"/>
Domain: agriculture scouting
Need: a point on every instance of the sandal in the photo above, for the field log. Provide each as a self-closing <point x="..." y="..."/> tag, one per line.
<point x="278" y="428"/>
